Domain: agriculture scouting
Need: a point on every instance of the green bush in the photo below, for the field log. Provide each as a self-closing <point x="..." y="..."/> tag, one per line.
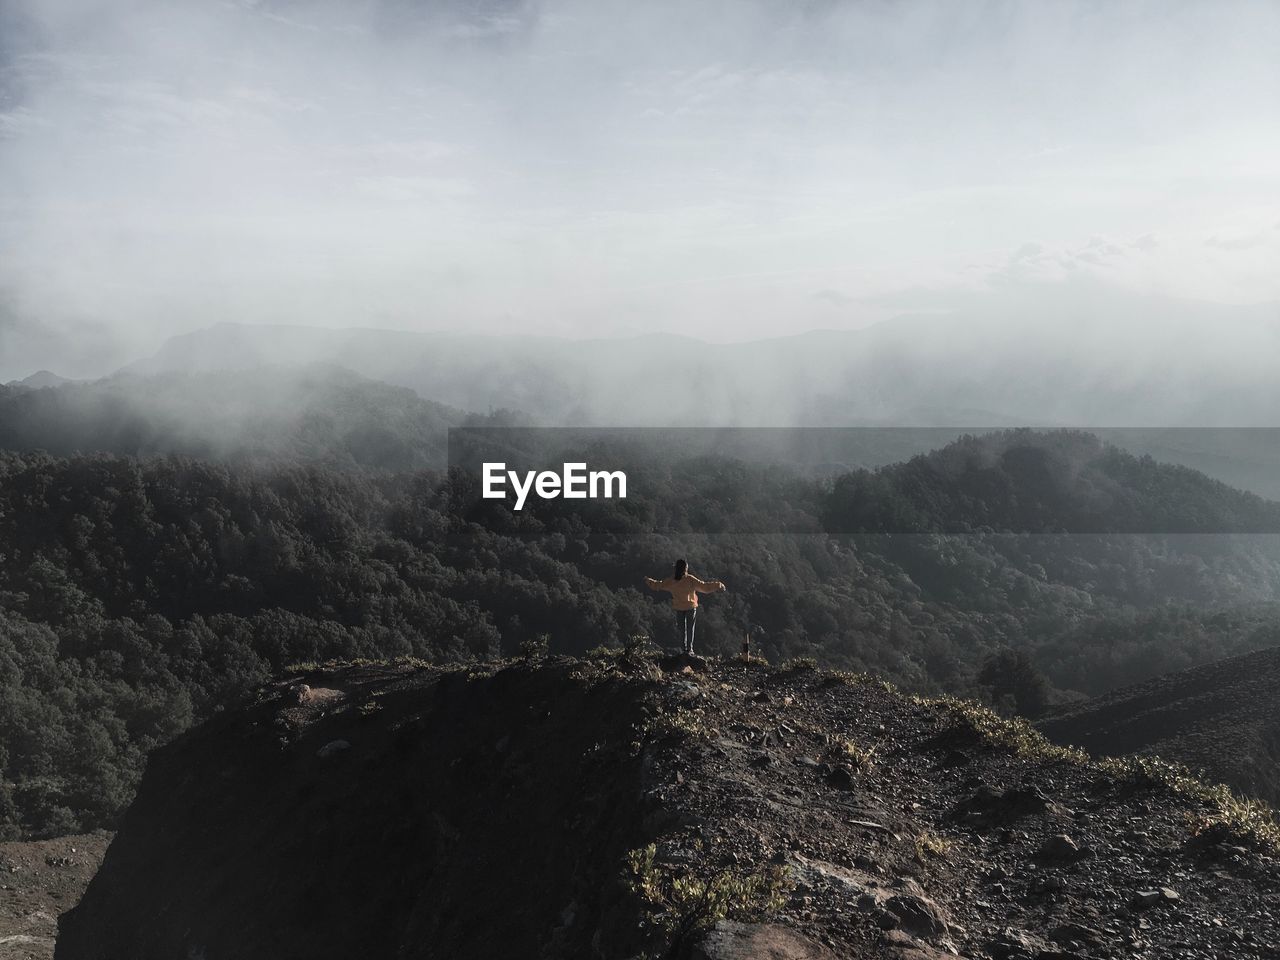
<point x="685" y="900"/>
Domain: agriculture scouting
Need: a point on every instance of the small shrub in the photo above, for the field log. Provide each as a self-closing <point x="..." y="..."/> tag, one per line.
<point x="634" y="644"/>
<point x="536" y="647"/>
<point x="685" y="900"/>
<point x="332" y="665"/>
<point x="930" y="846"/>
<point x="680" y="724"/>
<point x="844" y="750"/>
<point x="1228" y="816"/>
<point x="409" y="660"/>
<point x="1014" y="734"/>
<point x="846" y="678"/>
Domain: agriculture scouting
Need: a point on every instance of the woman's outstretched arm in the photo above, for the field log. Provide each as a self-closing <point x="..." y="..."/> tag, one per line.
<point x="708" y="586"/>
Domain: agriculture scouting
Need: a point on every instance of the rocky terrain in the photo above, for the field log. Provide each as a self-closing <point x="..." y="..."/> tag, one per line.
<point x="39" y="879"/>
<point x="630" y="807"/>
<point x="1221" y="719"/>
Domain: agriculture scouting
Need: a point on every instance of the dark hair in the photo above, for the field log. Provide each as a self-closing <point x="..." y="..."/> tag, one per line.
<point x="682" y="567"/>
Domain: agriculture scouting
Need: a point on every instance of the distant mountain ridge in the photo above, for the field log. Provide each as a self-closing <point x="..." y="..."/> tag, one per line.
<point x="231" y="407"/>
<point x="1200" y="366"/>
<point x="1141" y="387"/>
<point x="1057" y="481"/>
<point x="39" y="380"/>
<point x="1222" y="718"/>
<point x="318" y="413"/>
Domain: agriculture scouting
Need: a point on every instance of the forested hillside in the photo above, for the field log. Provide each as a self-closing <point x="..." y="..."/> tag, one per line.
<point x="139" y="595"/>
<point x="319" y="413"/>
<point x="1064" y="481"/>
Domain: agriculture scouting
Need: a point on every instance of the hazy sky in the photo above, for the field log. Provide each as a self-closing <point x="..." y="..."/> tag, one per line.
<point x="725" y="169"/>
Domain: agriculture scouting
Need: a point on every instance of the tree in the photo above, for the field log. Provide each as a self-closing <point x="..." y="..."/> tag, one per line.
<point x="1011" y="674"/>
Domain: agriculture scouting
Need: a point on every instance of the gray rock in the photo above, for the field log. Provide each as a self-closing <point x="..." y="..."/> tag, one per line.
<point x="1146" y="899"/>
<point x="918" y="915"/>
<point x="1012" y="944"/>
<point x="758" y="941"/>
<point x="902" y="946"/>
<point x="1066" y="934"/>
<point x="1060" y="848"/>
<point x="682" y="662"/>
<point x="991" y="806"/>
<point x="333" y="747"/>
<point x="818" y="876"/>
<point x="841" y="778"/>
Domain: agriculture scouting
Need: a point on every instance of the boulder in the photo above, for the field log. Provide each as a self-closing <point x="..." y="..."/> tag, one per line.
<point x="758" y="941"/>
<point x="1013" y="944"/>
<point x="917" y="915"/>
<point x="1062" y="849"/>
<point x="902" y="946"/>
<point x="840" y="777"/>
<point x="990" y="806"/>
<point x="1146" y="899"/>
<point x="1072" y="933"/>
<point x="681" y="662"/>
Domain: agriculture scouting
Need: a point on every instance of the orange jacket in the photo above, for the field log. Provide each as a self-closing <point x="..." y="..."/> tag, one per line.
<point x="684" y="592"/>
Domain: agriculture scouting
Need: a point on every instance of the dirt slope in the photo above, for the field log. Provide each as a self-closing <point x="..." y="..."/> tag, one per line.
<point x="1222" y="719"/>
<point x="39" y="879"/>
<point x="616" y="810"/>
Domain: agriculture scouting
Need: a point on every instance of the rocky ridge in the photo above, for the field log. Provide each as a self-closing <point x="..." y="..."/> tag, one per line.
<point x="631" y="807"/>
<point x="1221" y="719"/>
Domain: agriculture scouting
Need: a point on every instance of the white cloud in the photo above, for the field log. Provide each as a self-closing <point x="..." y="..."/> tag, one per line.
<point x="1246" y="242"/>
<point x="835" y="298"/>
<point x="599" y="165"/>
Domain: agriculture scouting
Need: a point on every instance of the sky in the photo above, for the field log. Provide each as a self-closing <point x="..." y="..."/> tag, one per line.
<point x="592" y="168"/>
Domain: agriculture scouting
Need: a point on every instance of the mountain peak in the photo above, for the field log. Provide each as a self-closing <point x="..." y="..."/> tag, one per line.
<point x="41" y="379"/>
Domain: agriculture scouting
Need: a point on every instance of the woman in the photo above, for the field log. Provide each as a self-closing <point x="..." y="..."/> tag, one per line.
<point x="684" y="588"/>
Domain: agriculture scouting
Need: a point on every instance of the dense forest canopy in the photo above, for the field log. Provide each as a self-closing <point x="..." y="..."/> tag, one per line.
<point x="1063" y="481"/>
<point x="138" y="595"/>
<point x="318" y="413"/>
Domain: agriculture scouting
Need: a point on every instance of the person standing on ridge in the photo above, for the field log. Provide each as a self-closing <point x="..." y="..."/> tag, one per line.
<point x="684" y="588"/>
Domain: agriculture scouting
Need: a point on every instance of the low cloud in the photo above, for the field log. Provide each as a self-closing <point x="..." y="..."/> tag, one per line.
<point x="593" y="167"/>
<point x="835" y="298"/>
<point x="1247" y="242"/>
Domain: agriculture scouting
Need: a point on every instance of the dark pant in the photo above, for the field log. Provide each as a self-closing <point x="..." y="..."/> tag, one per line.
<point x="684" y="627"/>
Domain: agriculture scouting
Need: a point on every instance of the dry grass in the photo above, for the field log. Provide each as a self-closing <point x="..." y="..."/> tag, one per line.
<point x="930" y="846"/>
<point x="1227" y="815"/>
